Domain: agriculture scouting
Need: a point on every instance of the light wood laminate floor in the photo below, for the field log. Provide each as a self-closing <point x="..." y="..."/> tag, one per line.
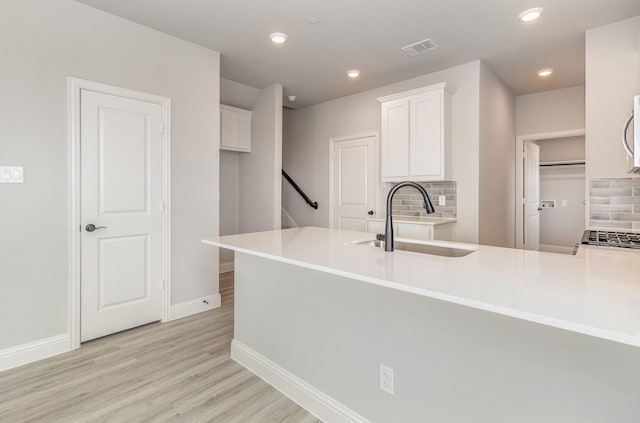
<point x="170" y="372"/>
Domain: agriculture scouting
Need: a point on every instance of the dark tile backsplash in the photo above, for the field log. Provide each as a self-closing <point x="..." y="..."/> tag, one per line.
<point x="615" y="203"/>
<point x="408" y="202"/>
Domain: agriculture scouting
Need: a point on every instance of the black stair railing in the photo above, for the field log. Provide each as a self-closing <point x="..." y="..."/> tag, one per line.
<point x="313" y="204"/>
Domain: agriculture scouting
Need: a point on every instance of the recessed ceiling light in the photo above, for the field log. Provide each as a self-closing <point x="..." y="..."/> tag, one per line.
<point x="545" y="72"/>
<point x="353" y="73"/>
<point x="292" y="98"/>
<point x="530" y="14"/>
<point x="313" y="20"/>
<point x="278" y="37"/>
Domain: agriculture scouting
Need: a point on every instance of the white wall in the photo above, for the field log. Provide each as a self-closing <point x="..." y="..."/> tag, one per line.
<point x="497" y="162"/>
<point x="562" y="226"/>
<point x="451" y="363"/>
<point x="550" y="111"/>
<point x="306" y="145"/>
<point x="43" y="43"/>
<point x="239" y="95"/>
<point x="260" y="170"/>
<point x="612" y="79"/>
<point x="229" y="199"/>
<point x="243" y="96"/>
<point x="561" y="149"/>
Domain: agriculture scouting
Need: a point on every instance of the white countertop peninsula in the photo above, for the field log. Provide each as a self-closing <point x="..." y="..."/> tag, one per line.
<point x="596" y="292"/>
<point x="500" y="335"/>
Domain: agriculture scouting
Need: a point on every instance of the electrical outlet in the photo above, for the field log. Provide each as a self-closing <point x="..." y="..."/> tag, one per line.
<point x="11" y="174"/>
<point x="442" y="200"/>
<point x="386" y="379"/>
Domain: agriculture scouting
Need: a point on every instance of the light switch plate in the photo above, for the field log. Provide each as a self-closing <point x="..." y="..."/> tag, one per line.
<point x="11" y="174"/>
<point x="442" y="200"/>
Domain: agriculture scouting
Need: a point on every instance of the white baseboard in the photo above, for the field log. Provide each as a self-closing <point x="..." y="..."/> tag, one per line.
<point x="187" y="308"/>
<point x="308" y="397"/>
<point x="33" y="351"/>
<point x="226" y="267"/>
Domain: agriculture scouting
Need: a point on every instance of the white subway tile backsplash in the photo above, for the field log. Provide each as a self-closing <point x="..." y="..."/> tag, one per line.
<point x="615" y="203"/>
<point x="626" y="217"/>
<point x="606" y="224"/>
<point x="622" y="208"/>
<point x="408" y="202"/>
<point x="625" y="200"/>
<point x="610" y="192"/>
<point x="599" y="183"/>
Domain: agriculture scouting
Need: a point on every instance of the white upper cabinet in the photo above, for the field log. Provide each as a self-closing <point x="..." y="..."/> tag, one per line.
<point x="416" y="140"/>
<point x="235" y="129"/>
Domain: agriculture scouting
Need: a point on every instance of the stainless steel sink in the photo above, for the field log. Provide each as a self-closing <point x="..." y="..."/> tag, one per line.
<point x="421" y="247"/>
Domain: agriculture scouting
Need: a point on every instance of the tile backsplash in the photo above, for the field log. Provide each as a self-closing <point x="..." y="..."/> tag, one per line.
<point x="408" y="201"/>
<point x="614" y="203"/>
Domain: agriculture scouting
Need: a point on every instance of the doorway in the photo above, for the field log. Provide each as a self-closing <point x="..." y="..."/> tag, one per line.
<point x="120" y="234"/>
<point x="353" y="181"/>
<point x="550" y="193"/>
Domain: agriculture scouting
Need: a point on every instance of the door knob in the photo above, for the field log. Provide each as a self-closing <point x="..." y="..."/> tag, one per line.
<point x="370" y="212"/>
<point x="91" y="227"/>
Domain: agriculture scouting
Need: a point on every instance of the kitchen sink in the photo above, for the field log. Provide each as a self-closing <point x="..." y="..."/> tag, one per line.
<point x="424" y="247"/>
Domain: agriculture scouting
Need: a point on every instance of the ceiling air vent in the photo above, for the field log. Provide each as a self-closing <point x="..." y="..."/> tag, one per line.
<point x="420" y="47"/>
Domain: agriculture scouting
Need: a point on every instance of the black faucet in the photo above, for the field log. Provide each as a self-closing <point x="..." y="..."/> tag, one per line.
<point x="388" y="230"/>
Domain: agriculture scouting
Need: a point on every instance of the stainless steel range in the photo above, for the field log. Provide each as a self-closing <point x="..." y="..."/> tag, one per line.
<point x="611" y="239"/>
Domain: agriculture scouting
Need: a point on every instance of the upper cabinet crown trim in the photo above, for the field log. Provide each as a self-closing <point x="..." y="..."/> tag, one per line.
<point x="441" y="86"/>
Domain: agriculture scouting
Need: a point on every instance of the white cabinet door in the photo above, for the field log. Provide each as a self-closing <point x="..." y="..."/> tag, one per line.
<point x="416" y="135"/>
<point x="235" y="129"/>
<point x="376" y="226"/>
<point x="395" y="139"/>
<point x="426" y="158"/>
<point x="414" y="231"/>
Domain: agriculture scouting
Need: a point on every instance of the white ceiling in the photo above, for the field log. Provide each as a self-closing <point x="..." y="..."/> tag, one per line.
<point x="368" y="35"/>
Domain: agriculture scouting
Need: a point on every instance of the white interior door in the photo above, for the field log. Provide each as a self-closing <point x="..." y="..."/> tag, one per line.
<point x="121" y="194"/>
<point x="353" y="182"/>
<point x="531" y="196"/>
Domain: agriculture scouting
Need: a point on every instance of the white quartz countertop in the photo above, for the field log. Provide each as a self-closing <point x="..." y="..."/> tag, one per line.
<point x="432" y="221"/>
<point x="596" y="292"/>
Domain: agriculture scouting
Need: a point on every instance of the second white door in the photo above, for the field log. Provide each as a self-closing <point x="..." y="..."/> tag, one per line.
<point x="121" y="207"/>
<point x="531" y="196"/>
<point x="353" y="182"/>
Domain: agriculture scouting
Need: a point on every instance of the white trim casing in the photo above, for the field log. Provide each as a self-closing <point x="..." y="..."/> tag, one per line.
<point x="188" y="308"/>
<point x="307" y="396"/>
<point x="33" y="351"/>
<point x="520" y="140"/>
<point x="75" y="85"/>
<point x="376" y="161"/>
